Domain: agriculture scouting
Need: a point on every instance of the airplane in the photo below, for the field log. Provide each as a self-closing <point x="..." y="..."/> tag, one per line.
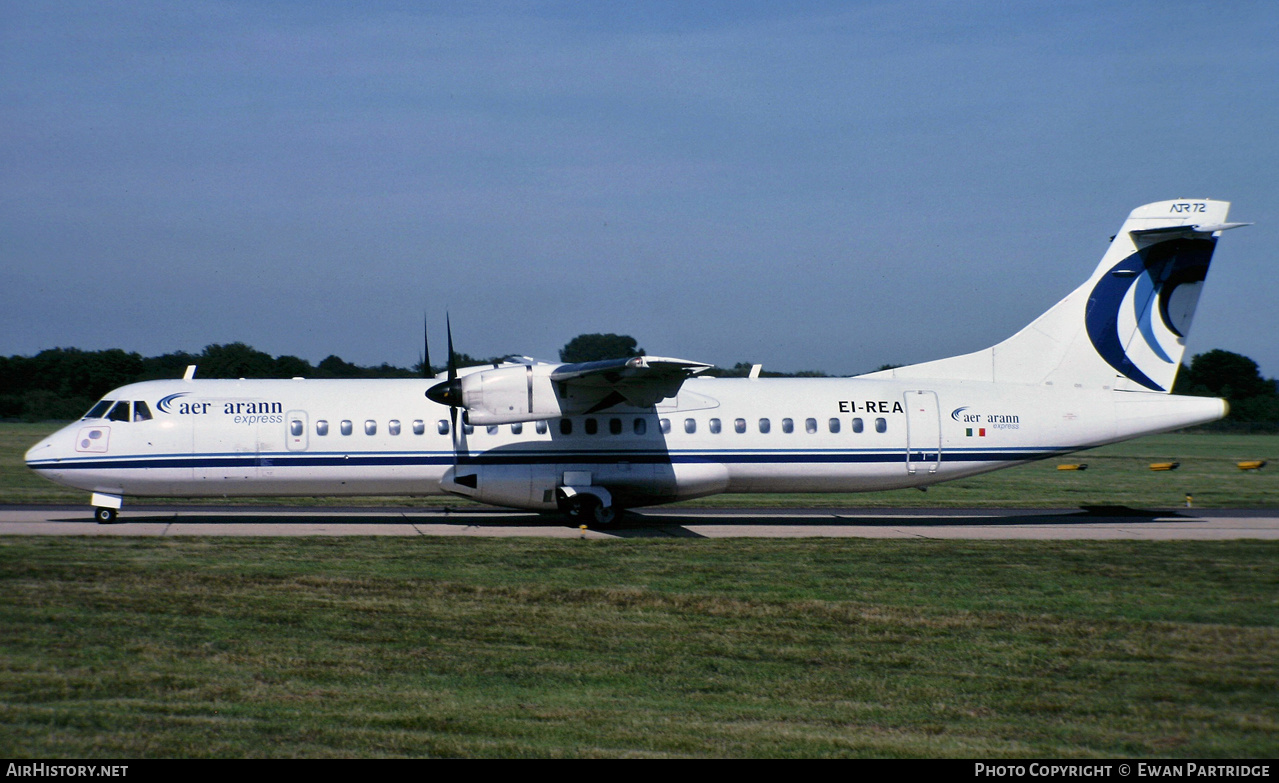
<point x="593" y="439"/>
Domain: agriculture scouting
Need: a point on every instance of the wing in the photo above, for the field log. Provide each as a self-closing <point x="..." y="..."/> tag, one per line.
<point x="518" y="391"/>
<point x="641" y="381"/>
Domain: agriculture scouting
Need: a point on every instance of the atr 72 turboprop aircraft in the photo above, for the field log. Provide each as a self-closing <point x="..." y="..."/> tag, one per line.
<point x="591" y="439"/>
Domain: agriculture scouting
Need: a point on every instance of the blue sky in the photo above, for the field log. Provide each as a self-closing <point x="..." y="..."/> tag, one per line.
<point x="827" y="186"/>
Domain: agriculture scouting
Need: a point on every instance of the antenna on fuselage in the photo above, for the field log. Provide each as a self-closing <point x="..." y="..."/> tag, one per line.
<point x="190" y="373"/>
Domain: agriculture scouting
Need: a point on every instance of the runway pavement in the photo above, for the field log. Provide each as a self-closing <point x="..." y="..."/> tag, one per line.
<point x="1092" y="523"/>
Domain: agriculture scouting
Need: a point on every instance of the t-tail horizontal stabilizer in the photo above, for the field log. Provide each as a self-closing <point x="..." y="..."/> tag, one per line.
<point x="1126" y="327"/>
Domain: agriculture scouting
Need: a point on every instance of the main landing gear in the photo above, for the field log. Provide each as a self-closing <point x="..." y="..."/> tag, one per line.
<point x="589" y="508"/>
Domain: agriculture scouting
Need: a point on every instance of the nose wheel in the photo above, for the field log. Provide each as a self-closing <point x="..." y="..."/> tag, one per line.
<point x="105" y="516"/>
<point x="106" y="507"/>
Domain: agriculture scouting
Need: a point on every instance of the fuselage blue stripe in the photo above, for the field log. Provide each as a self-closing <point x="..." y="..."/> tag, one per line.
<point x="526" y="457"/>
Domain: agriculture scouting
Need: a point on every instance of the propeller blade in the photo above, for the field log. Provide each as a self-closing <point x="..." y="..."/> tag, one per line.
<point x="448" y="325"/>
<point x="454" y="392"/>
<point x="448" y="392"/>
<point x="453" y="429"/>
<point x="426" y="350"/>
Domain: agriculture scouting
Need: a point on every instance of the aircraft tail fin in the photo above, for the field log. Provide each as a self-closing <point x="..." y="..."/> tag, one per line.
<point x="1126" y="327"/>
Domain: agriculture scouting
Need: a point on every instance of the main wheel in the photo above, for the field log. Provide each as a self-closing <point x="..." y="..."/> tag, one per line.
<point x="581" y="508"/>
<point x="105" y="516"/>
<point x="588" y="508"/>
<point x="605" y="515"/>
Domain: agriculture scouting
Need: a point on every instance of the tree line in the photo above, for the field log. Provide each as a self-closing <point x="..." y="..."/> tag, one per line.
<point x="1235" y="377"/>
<point x="62" y="383"/>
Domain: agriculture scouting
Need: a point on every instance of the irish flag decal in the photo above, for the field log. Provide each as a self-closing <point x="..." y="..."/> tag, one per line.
<point x="981" y="432"/>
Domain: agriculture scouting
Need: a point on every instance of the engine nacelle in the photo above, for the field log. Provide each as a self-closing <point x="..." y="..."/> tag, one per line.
<point x="523" y="392"/>
<point x="508" y="394"/>
<point x="527" y="392"/>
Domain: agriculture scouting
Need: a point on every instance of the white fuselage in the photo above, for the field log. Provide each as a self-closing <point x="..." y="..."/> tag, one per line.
<point x="211" y="438"/>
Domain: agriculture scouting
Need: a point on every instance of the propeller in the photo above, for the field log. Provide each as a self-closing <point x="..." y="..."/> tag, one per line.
<point x="449" y="392"/>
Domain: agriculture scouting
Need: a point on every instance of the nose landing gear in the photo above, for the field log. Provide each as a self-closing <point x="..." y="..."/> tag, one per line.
<point x="105" y="507"/>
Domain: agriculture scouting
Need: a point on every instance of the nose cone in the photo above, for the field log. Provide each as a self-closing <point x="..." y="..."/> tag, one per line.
<point x="41" y="451"/>
<point x="56" y="459"/>
<point x="49" y="453"/>
<point x="45" y="457"/>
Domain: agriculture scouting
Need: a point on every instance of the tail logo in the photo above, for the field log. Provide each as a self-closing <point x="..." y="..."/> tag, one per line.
<point x="1151" y="293"/>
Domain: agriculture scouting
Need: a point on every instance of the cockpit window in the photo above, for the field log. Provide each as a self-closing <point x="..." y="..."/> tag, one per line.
<point x="120" y="412"/>
<point x="141" y="412"/>
<point x="97" y="411"/>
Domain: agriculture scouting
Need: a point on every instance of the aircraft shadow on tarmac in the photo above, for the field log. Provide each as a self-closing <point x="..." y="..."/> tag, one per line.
<point x="901" y="518"/>
<point x="644" y="524"/>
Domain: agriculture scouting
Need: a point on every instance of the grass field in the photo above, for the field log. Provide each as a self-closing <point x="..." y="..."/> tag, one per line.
<point x="1117" y="475"/>
<point x="356" y="647"/>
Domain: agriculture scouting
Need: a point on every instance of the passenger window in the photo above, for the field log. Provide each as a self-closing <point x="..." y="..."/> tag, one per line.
<point x="120" y="412"/>
<point x="517" y="428"/>
<point x="739" y="425"/>
<point x="541" y="427"/>
<point x="141" y="412"/>
<point x="442" y="426"/>
<point x="468" y="429"/>
<point x="492" y="429"/>
<point x="566" y="426"/>
<point x="321" y="427"/>
<point x="346" y="427"/>
<point x="98" y="410"/>
<point x="640" y="426"/>
<point x="592" y="426"/>
<point x="714" y="423"/>
<point x="765" y="425"/>
<point x="419" y="427"/>
<point x="615" y="426"/>
<point x="690" y="426"/>
<point x="810" y="426"/>
<point x="666" y="426"/>
<point x="788" y="425"/>
<point x="857" y="425"/>
<point x="393" y="426"/>
<point x="834" y="425"/>
<point x="370" y="427"/>
<point x="881" y="425"/>
<point x="296" y="428"/>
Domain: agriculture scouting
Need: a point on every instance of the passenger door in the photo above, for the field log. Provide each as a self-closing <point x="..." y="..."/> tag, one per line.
<point x="923" y="432"/>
